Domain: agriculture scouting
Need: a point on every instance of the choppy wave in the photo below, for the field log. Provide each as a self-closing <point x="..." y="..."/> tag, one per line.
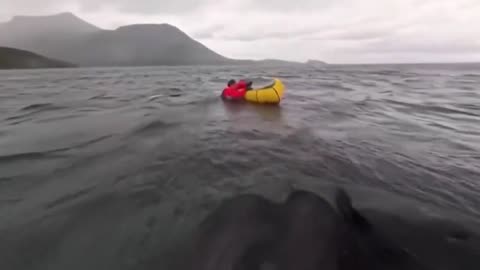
<point x="121" y="162"/>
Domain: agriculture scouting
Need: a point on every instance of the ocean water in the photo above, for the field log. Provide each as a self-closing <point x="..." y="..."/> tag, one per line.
<point x="109" y="168"/>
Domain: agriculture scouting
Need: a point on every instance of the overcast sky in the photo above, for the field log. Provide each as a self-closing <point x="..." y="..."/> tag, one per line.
<point x="337" y="31"/>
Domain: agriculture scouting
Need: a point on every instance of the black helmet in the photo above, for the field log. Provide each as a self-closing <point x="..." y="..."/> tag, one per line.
<point x="231" y="82"/>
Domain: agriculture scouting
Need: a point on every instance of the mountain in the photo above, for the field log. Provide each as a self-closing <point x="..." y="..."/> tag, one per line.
<point x="142" y="44"/>
<point x="16" y="59"/>
<point x="44" y="34"/>
<point x="33" y="26"/>
<point x="67" y="37"/>
<point x="315" y="62"/>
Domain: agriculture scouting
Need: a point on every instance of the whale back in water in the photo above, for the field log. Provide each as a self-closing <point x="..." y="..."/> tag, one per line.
<point x="236" y="235"/>
<point x="309" y="240"/>
<point x="366" y="248"/>
<point x="305" y="232"/>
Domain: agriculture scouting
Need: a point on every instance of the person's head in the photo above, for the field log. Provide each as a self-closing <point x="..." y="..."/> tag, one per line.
<point x="231" y="82"/>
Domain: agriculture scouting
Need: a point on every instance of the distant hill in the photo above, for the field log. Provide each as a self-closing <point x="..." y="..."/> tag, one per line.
<point x="315" y="62"/>
<point x="143" y="44"/>
<point x="65" y="36"/>
<point x="19" y="59"/>
<point x="44" y="34"/>
<point x="34" y="26"/>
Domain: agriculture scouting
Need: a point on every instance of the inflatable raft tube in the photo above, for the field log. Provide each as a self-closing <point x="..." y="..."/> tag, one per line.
<point x="272" y="93"/>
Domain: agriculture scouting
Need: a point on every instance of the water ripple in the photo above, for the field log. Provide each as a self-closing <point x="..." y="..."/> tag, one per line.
<point x="122" y="159"/>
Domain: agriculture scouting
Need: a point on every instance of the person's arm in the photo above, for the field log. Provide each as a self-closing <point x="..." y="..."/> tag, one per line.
<point x="249" y="85"/>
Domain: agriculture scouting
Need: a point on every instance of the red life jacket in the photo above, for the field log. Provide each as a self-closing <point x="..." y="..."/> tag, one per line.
<point x="235" y="91"/>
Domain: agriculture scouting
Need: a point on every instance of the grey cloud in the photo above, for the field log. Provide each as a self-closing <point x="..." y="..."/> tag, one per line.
<point x="307" y="36"/>
<point x="12" y="8"/>
<point x="149" y="7"/>
<point x="353" y="29"/>
<point x="351" y="35"/>
<point x="438" y="46"/>
<point x="253" y="36"/>
<point x="326" y="32"/>
<point x="292" y="5"/>
<point x="203" y="35"/>
<point x="208" y="32"/>
<point x="145" y="6"/>
<point x="19" y="7"/>
<point x="259" y="34"/>
<point x="361" y="28"/>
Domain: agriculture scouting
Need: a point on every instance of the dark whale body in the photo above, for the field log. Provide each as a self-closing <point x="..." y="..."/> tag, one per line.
<point x="237" y="235"/>
<point x="309" y="238"/>
<point x="363" y="247"/>
<point x="305" y="232"/>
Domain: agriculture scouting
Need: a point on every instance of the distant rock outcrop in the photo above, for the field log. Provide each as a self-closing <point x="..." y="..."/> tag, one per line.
<point x="315" y="62"/>
<point x="19" y="59"/>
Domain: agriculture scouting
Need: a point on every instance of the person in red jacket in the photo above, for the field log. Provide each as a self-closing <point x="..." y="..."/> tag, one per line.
<point x="236" y="90"/>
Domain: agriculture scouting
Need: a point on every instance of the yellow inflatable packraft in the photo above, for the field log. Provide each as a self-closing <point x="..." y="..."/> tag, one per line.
<point x="272" y="93"/>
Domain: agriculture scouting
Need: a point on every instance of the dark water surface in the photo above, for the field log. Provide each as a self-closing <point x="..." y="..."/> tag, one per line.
<point x="109" y="168"/>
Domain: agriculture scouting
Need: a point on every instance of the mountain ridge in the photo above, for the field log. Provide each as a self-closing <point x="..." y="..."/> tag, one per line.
<point x="64" y="21"/>
<point x="11" y="58"/>
<point x="69" y="38"/>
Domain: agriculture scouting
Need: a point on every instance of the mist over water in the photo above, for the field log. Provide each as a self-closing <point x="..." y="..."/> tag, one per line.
<point x="109" y="168"/>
